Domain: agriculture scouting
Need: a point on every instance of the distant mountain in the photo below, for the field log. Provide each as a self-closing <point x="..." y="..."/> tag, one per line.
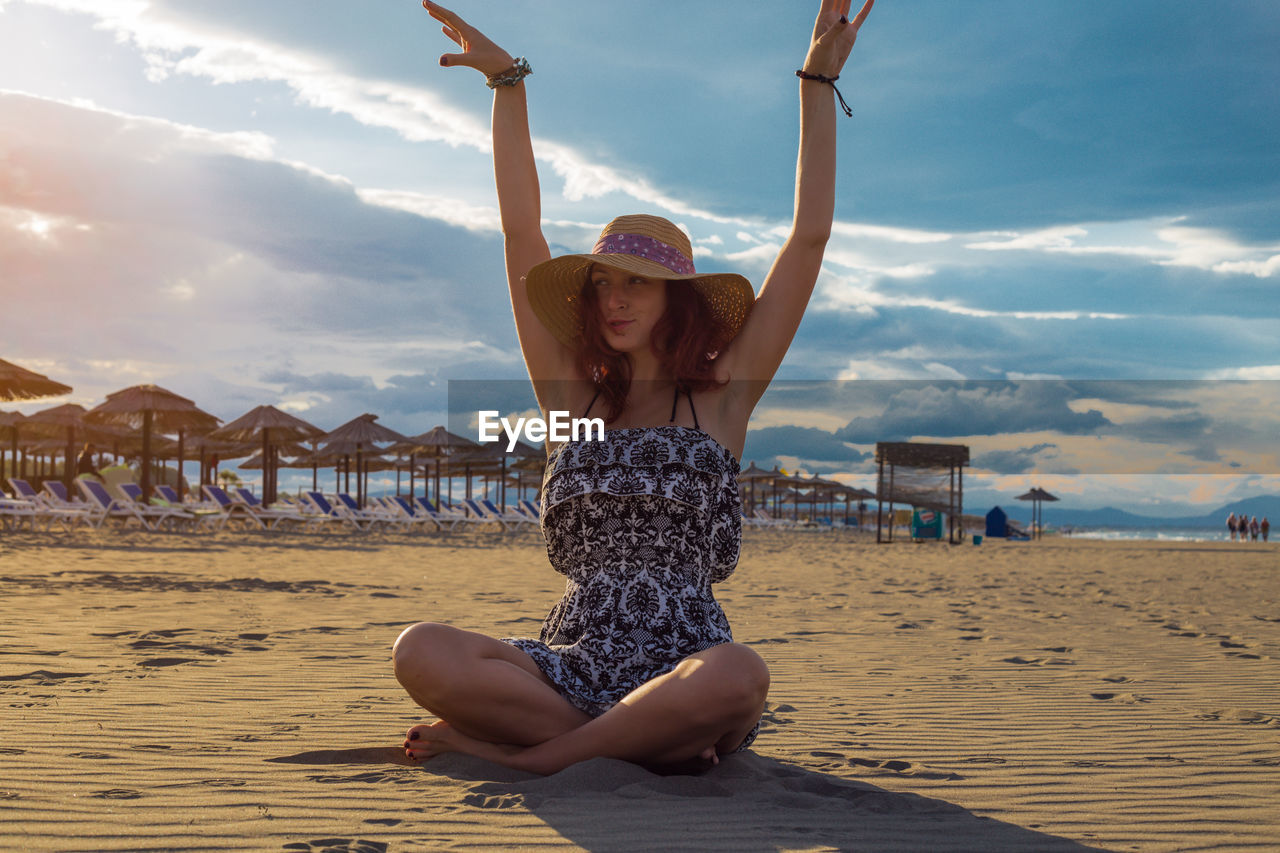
<point x="1267" y="506"/>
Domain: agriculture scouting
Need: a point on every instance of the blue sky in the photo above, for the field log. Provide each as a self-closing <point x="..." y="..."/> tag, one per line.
<point x="292" y="203"/>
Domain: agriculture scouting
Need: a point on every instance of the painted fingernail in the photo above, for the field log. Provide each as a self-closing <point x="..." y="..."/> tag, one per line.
<point x="444" y="62"/>
<point x="413" y="735"/>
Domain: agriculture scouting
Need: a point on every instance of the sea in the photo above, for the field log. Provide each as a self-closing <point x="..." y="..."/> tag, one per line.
<point x="1161" y="534"/>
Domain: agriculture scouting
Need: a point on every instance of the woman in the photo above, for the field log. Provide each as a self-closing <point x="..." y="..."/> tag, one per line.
<point x="636" y="662"/>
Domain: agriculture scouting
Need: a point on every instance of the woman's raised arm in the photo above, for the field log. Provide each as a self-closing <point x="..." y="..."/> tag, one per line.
<point x="758" y="349"/>
<point x="519" y="197"/>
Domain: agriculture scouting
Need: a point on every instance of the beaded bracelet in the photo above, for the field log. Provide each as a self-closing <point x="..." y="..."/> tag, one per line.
<point x="830" y="81"/>
<point x="519" y="70"/>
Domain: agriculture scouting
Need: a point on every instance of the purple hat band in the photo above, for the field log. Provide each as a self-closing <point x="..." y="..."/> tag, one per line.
<point x="648" y="248"/>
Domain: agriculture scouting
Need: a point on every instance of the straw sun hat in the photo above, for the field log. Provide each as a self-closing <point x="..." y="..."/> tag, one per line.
<point x="645" y="245"/>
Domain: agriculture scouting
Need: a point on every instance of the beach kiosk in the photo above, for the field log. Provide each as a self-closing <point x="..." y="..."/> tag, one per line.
<point x="923" y="476"/>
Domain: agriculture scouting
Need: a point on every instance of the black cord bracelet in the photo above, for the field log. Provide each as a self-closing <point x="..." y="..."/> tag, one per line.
<point x="830" y="81"/>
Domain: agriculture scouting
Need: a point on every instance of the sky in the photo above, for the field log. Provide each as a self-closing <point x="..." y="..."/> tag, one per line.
<point x="292" y="203"/>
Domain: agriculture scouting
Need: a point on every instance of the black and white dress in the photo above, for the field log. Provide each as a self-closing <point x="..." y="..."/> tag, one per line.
<point x="642" y="524"/>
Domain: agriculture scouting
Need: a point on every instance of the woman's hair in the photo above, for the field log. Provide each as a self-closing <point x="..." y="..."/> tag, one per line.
<point x="686" y="339"/>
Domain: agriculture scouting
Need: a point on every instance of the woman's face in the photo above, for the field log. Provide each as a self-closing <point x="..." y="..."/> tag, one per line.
<point x="630" y="306"/>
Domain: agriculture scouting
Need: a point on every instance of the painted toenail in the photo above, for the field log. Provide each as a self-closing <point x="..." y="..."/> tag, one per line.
<point x="413" y="735"/>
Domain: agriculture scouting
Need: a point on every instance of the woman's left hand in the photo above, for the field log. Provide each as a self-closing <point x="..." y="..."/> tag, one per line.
<point x="833" y="37"/>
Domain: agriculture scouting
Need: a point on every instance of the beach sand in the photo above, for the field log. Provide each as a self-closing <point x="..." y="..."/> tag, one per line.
<point x="234" y="692"/>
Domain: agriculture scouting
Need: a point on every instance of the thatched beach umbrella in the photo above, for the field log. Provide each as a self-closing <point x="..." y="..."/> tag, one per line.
<point x="529" y="469"/>
<point x="1037" y="496"/>
<point x="362" y="435"/>
<point x="211" y="451"/>
<point x="795" y="481"/>
<point x="18" y="383"/>
<point x="9" y="429"/>
<point x="480" y="461"/>
<point x="264" y="424"/>
<point x="859" y="495"/>
<point x="437" y="443"/>
<point x="751" y="475"/>
<point x="68" y="420"/>
<point x="289" y="449"/>
<point x="151" y="408"/>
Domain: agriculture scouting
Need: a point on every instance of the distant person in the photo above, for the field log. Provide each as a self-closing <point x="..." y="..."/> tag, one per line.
<point x="1231" y="525"/>
<point x="1264" y="527"/>
<point x="84" y="462"/>
<point x="1253" y="529"/>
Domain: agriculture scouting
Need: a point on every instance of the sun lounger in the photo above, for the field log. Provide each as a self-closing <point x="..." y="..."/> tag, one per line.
<point x="321" y="505"/>
<point x="530" y="509"/>
<point x="207" y="513"/>
<point x="107" y="507"/>
<point x="14" y="511"/>
<point x="416" y="517"/>
<point x="511" y="516"/>
<point x="444" y="517"/>
<point x="374" y="515"/>
<point x="247" y="515"/>
<point x="278" y="513"/>
<point x="45" y="507"/>
<point x="478" y="510"/>
<point x="159" y="515"/>
<point x="764" y="519"/>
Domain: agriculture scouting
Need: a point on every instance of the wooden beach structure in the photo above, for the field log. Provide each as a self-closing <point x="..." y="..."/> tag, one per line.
<point x="921" y="475"/>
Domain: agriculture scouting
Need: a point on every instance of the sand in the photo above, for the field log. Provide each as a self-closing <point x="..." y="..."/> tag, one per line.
<point x="233" y="692"/>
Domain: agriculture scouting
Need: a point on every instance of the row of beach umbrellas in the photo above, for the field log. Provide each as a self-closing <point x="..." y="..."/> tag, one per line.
<point x="764" y="487"/>
<point x="139" y="420"/>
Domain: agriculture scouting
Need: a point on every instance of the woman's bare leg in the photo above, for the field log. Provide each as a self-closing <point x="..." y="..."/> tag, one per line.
<point x="707" y="704"/>
<point x="483" y="688"/>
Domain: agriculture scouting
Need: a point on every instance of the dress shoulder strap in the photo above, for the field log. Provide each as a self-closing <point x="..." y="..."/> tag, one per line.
<point x="592" y="403"/>
<point x="675" y="399"/>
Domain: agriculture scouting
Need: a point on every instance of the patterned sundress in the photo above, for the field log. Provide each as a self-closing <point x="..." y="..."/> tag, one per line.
<point x="641" y="524"/>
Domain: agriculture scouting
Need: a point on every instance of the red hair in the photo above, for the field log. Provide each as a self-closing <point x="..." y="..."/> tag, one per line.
<point x="686" y="340"/>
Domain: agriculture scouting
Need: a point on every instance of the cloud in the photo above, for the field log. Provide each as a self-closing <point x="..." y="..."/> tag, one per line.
<point x="806" y="443"/>
<point x="970" y="409"/>
<point x="1019" y="461"/>
<point x="186" y="251"/>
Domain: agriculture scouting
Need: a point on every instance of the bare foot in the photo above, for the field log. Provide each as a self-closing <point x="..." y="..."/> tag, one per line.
<point x="696" y="766"/>
<point x="423" y="742"/>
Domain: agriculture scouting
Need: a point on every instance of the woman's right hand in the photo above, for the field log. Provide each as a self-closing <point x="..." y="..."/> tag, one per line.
<point x="478" y="51"/>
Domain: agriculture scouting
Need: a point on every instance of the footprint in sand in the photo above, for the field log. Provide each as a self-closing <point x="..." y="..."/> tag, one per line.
<point x="159" y="662"/>
<point x="1018" y="659"/>
<point x="902" y="768"/>
<point x="1120" y="698"/>
<point x="338" y="845"/>
<point x="1241" y="715"/>
<point x="43" y="677"/>
<point x="117" y="794"/>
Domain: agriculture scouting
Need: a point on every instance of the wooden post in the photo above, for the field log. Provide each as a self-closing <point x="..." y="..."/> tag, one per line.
<point x="879" y="500"/>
